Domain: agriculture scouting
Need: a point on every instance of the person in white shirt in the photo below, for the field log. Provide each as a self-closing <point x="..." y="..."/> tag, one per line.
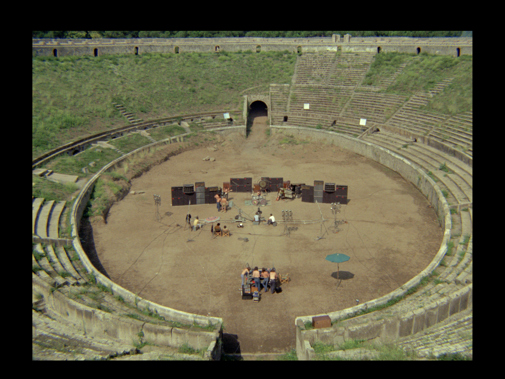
<point x="271" y="219"/>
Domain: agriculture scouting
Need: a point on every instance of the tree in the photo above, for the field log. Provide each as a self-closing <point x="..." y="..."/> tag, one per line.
<point x="76" y="34"/>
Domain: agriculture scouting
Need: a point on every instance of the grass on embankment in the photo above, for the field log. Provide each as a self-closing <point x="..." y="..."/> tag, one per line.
<point x="73" y="95"/>
<point x="421" y="73"/>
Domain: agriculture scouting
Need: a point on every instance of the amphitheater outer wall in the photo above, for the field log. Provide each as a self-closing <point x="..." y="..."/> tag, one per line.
<point x="396" y="326"/>
<point x="138" y="46"/>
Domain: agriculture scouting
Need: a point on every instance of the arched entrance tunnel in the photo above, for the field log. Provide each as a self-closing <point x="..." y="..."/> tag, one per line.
<point x="258" y="111"/>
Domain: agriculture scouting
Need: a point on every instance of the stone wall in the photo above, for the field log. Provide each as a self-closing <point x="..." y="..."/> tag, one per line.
<point x="95" y="47"/>
<point x="387" y="329"/>
<point x="95" y="322"/>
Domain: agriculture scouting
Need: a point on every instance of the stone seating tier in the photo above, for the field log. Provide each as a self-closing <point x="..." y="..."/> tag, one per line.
<point x="458" y="183"/>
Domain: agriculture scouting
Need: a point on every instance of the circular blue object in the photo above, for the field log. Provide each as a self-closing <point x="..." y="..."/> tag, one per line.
<point x="337" y="258"/>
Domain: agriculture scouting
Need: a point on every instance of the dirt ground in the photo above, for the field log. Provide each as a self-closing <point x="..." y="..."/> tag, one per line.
<point x="389" y="233"/>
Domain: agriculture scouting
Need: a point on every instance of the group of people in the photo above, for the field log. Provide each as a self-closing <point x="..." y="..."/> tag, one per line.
<point x="222" y="201"/>
<point x="195" y="224"/>
<point x="261" y="279"/>
<point x="270" y="221"/>
<point x="218" y="229"/>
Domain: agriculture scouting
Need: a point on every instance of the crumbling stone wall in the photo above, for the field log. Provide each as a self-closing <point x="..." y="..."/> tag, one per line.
<point x="454" y="46"/>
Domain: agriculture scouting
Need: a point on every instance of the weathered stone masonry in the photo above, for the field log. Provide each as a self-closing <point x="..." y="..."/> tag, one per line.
<point x="454" y="46"/>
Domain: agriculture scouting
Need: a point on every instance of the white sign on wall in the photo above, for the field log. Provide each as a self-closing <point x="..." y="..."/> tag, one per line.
<point x="362" y="121"/>
<point x="306" y="106"/>
<point x="226" y="116"/>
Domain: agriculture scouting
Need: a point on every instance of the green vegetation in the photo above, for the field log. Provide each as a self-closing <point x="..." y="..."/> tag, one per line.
<point x="237" y="33"/>
<point x="368" y="351"/>
<point x="422" y="73"/>
<point x="73" y="95"/>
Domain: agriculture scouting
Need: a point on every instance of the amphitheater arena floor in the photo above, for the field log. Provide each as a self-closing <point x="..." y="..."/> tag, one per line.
<point x="390" y="234"/>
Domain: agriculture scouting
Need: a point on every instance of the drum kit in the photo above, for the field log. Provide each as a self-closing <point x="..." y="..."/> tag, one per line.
<point x="259" y="200"/>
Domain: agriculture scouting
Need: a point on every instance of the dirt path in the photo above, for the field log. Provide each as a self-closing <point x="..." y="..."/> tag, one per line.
<point x="390" y="235"/>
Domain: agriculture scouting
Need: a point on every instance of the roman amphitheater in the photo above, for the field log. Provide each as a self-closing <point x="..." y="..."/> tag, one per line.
<point x="137" y="284"/>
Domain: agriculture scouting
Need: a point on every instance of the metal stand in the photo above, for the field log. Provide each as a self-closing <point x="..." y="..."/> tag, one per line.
<point x="322" y="224"/>
<point x="287" y="216"/>
<point x="157" y="203"/>
<point x="335" y="208"/>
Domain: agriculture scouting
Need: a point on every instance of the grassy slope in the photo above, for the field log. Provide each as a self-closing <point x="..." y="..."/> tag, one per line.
<point x="72" y="96"/>
<point x="422" y="73"/>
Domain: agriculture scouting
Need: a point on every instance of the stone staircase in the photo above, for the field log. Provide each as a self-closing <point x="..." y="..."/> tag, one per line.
<point x="46" y="216"/>
<point x="452" y="336"/>
<point x="131" y="119"/>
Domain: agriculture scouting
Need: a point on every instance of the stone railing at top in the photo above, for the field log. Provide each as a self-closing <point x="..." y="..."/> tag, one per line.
<point x="285" y="40"/>
<point x="455" y="46"/>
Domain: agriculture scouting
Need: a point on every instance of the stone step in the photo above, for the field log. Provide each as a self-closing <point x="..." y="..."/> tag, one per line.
<point x="43" y="218"/>
<point x="67" y="264"/>
<point x="54" y="219"/>
<point x="58" y="267"/>
<point x="54" y="339"/>
<point x="39" y="272"/>
<point x="36" y="206"/>
<point x="453" y="335"/>
<point x="62" y="178"/>
<point x="44" y="263"/>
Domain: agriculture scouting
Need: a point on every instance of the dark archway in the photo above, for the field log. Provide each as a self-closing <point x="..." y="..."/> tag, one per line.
<point x="378" y="49"/>
<point x="55" y="52"/>
<point x="136" y="50"/>
<point x="418" y="50"/>
<point x="458" y="52"/>
<point x="256" y="109"/>
<point x="95" y="52"/>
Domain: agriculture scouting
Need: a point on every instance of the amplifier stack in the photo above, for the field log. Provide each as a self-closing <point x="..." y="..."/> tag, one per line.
<point x="194" y="194"/>
<point x="324" y="193"/>
<point x="271" y="184"/>
<point x="200" y="192"/>
<point x="241" y="184"/>
<point x="318" y="191"/>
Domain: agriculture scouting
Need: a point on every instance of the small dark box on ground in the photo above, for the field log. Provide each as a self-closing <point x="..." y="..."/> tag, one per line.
<point x="321" y="322"/>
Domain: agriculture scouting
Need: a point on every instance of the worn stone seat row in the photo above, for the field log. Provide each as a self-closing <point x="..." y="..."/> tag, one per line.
<point x="46" y="217"/>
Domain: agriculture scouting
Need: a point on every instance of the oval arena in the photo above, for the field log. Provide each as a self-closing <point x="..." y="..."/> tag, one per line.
<point x="138" y="284"/>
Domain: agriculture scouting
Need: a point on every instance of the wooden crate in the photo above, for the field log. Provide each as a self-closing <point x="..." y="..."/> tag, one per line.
<point x="321" y="322"/>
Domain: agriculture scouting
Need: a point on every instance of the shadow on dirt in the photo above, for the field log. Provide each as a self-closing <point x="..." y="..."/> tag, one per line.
<point x="231" y="346"/>
<point x="342" y="275"/>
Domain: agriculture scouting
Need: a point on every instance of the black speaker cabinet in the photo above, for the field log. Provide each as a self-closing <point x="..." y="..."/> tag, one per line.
<point x="177" y="195"/>
<point x="188" y="188"/>
<point x="308" y="194"/>
<point x="329" y="197"/>
<point x="275" y="184"/>
<point x="329" y="187"/>
<point x="341" y="190"/>
<point x="241" y="184"/>
<point x="189" y="198"/>
<point x="210" y="192"/>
